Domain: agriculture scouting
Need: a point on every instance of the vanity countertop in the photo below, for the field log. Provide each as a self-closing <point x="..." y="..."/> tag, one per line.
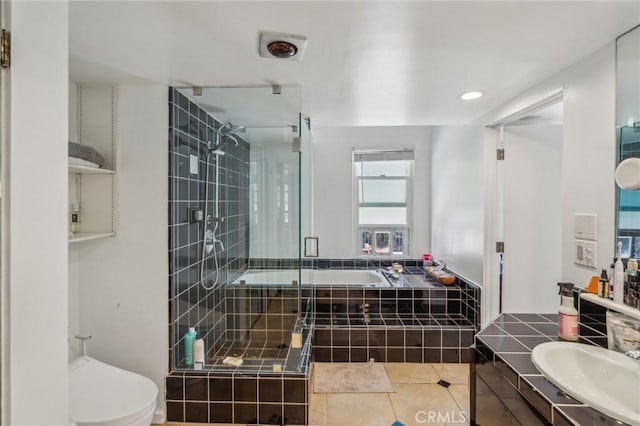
<point x="508" y="341"/>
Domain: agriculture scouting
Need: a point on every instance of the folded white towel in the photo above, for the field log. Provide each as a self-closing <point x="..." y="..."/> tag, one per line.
<point x="80" y="162"/>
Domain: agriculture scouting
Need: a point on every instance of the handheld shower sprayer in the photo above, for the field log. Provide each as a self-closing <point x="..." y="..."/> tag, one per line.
<point x="210" y="240"/>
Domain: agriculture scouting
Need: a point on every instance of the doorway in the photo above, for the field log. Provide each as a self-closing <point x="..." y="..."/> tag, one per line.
<point x="528" y="214"/>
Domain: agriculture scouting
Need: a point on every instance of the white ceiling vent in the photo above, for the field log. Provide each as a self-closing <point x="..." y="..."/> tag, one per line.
<point x="289" y="47"/>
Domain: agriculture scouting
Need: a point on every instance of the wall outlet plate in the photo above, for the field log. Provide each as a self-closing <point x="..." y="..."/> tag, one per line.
<point x="586" y="253"/>
<point x="585" y="226"/>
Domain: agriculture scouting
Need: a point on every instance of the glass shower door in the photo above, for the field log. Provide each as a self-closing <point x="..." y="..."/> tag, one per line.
<point x="248" y="179"/>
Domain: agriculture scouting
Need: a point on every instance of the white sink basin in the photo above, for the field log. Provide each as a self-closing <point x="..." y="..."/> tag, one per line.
<point x="605" y="380"/>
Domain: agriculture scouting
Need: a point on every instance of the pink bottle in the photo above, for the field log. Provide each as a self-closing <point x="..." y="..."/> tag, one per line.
<point x="567" y="314"/>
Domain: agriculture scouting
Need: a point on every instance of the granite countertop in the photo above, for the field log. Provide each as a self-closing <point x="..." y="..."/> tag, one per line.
<point x="508" y="342"/>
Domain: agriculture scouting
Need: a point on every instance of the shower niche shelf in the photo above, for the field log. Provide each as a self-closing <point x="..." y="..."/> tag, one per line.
<point x="95" y="190"/>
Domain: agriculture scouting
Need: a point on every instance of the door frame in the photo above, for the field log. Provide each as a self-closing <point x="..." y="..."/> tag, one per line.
<point x="494" y="203"/>
<point x="5" y="76"/>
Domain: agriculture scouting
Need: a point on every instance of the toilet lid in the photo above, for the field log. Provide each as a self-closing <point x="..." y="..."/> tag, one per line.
<point x="100" y="393"/>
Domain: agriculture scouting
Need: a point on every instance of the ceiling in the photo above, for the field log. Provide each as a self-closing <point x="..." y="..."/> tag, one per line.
<point x="366" y="63"/>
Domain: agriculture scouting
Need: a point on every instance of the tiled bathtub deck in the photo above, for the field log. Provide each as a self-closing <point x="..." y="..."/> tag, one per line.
<point x="419" y="320"/>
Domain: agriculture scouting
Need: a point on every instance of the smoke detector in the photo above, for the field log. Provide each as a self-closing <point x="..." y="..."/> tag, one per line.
<point x="289" y="47"/>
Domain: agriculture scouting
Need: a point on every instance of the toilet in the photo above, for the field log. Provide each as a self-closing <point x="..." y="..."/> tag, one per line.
<point x="103" y="395"/>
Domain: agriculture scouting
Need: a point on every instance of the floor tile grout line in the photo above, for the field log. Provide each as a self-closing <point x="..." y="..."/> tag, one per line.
<point x="458" y="405"/>
<point x="395" y="415"/>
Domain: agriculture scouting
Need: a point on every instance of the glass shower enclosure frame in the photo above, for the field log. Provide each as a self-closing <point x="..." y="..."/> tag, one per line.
<point x="235" y="192"/>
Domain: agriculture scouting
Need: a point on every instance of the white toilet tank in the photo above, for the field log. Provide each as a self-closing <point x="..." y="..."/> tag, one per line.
<point x="103" y="395"/>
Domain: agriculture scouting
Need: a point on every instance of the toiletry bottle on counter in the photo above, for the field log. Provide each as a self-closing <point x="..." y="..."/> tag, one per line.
<point x="603" y="285"/>
<point x="567" y="314"/>
<point x="189" y="340"/>
<point x="75" y="218"/>
<point x="618" y="277"/>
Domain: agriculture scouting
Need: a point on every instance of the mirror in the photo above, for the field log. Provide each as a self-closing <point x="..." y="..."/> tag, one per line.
<point x="628" y="138"/>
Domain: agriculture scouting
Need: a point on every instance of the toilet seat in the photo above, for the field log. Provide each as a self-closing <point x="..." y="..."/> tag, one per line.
<point x="104" y="395"/>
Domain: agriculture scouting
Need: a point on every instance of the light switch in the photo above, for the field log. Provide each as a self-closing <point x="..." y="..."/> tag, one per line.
<point x="585" y="226"/>
<point x="193" y="164"/>
<point x="586" y="253"/>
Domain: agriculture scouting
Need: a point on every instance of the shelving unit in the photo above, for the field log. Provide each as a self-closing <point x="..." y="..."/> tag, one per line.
<point x="96" y="189"/>
<point x="87" y="236"/>
<point x="84" y="170"/>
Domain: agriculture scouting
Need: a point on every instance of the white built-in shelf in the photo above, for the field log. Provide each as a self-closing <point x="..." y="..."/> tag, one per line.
<point x="84" y="170"/>
<point x="88" y="236"/>
<point x="610" y="304"/>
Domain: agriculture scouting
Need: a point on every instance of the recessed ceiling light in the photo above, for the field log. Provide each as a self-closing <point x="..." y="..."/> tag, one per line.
<point x="469" y="96"/>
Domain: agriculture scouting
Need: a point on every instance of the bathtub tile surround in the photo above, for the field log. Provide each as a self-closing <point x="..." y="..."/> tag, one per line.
<point x="423" y="321"/>
<point x="503" y="362"/>
<point x="190" y="128"/>
<point x="322" y="263"/>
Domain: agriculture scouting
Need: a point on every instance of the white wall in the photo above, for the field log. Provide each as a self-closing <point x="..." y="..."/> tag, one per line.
<point x="123" y="280"/>
<point x="36" y="188"/>
<point x="588" y="151"/>
<point x="332" y="183"/>
<point x="588" y="159"/>
<point x="532" y="218"/>
<point x="456" y="206"/>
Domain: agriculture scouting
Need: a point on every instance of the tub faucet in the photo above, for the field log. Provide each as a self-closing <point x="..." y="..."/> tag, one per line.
<point x="389" y="274"/>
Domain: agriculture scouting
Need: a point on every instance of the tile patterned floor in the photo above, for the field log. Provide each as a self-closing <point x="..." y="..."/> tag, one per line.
<point x="416" y="393"/>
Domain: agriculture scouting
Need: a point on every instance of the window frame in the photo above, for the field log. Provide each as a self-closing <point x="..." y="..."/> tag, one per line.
<point x="406" y="228"/>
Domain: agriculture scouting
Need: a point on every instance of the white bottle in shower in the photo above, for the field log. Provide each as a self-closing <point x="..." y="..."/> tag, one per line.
<point x="198" y="353"/>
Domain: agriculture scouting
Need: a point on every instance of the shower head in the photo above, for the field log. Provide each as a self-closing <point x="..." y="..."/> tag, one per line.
<point x="233" y="139"/>
<point x="233" y="130"/>
<point x="228" y="130"/>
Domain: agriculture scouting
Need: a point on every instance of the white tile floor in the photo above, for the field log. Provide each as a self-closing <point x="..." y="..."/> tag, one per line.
<point x="416" y="393"/>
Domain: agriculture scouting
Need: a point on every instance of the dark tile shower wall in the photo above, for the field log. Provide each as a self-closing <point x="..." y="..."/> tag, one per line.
<point x="190" y="128"/>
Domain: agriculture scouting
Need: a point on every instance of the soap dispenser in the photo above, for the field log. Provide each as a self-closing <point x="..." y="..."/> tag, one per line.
<point x="567" y="314"/>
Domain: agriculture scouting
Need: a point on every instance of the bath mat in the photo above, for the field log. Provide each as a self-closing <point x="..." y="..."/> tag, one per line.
<point x="350" y="378"/>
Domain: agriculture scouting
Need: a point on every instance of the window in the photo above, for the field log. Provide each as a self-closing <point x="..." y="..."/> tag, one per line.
<point x="383" y="182"/>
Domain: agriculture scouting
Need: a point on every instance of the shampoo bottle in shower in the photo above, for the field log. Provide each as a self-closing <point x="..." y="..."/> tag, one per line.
<point x="189" y="340"/>
<point x="198" y="354"/>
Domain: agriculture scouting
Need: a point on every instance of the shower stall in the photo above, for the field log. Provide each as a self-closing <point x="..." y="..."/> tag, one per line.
<point x="236" y="191"/>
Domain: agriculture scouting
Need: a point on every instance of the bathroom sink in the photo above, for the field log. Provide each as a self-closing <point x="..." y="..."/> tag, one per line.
<point x="605" y="380"/>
